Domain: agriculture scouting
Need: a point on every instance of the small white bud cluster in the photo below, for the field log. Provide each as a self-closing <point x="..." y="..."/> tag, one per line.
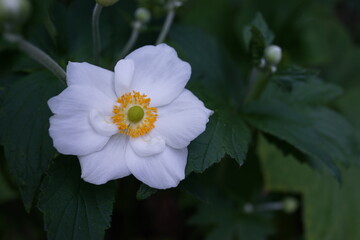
<point x="272" y="57"/>
<point x="290" y="205"/>
<point x="14" y="11"/>
<point x="142" y="15"/>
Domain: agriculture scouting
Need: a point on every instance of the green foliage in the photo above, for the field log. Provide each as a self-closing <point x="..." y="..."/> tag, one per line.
<point x="257" y="37"/>
<point x="213" y="70"/>
<point x="145" y="191"/>
<point x="24" y="125"/>
<point x="291" y="75"/>
<point x="229" y="222"/>
<point x="72" y="208"/>
<point x="225" y="134"/>
<point x="309" y="120"/>
<point x="299" y="118"/>
<point x="330" y="210"/>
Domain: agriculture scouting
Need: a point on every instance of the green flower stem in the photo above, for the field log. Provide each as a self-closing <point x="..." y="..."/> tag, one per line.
<point x="265" y="207"/>
<point x="271" y="206"/>
<point x="96" y="31"/>
<point x="167" y="24"/>
<point x="37" y="54"/>
<point x="257" y="83"/>
<point x="132" y="40"/>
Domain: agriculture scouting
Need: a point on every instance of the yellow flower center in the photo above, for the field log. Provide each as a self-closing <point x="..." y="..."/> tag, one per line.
<point x="132" y="114"/>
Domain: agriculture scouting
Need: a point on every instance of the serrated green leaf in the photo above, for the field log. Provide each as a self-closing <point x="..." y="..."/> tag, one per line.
<point x="289" y="76"/>
<point x="302" y="89"/>
<point x="224" y="134"/>
<point x="320" y="133"/>
<point x="24" y="126"/>
<point x="72" y="208"/>
<point x="145" y="191"/>
<point x="294" y="73"/>
<point x="330" y="211"/>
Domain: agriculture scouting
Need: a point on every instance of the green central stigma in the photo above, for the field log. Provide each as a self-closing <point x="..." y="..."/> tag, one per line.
<point x="135" y="114"/>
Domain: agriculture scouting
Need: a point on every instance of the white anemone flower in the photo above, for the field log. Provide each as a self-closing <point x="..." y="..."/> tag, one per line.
<point x="136" y="120"/>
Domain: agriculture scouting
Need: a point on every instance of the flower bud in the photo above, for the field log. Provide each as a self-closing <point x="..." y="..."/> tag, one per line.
<point x="143" y="15"/>
<point x="248" y="208"/>
<point x="273" y="69"/>
<point x="106" y="3"/>
<point x="14" y="11"/>
<point x="273" y="54"/>
<point x="290" y="205"/>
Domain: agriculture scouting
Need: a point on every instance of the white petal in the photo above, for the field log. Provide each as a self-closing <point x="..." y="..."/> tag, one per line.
<point x="102" y="124"/>
<point x="159" y="73"/>
<point x="80" y="99"/>
<point x="73" y="135"/>
<point x="86" y="74"/>
<point x="164" y="170"/>
<point x="147" y="145"/>
<point x="70" y="128"/>
<point x="182" y="120"/>
<point x="124" y="72"/>
<point x="106" y="164"/>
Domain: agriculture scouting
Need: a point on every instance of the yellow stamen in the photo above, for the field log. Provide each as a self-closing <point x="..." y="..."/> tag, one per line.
<point x="129" y="126"/>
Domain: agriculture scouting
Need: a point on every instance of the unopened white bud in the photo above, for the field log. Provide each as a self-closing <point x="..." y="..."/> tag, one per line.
<point x="248" y="208"/>
<point x="273" y="55"/>
<point x="273" y="68"/>
<point x="143" y="15"/>
<point x="290" y="205"/>
<point x="14" y="11"/>
<point x="106" y="3"/>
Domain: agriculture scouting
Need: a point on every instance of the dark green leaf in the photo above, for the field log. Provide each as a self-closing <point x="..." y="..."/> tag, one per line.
<point x="289" y="76"/>
<point x="320" y="133"/>
<point x="294" y="73"/>
<point x="262" y="28"/>
<point x="256" y="45"/>
<point x="145" y="191"/>
<point x="72" y="208"/>
<point x="257" y="37"/>
<point x="24" y="126"/>
<point x="305" y="88"/>
<point x="224" y="134"/>
<point x="213" y="70"/>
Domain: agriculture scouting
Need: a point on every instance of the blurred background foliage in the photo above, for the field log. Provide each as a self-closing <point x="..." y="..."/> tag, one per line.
<point x="319" y="34"/>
